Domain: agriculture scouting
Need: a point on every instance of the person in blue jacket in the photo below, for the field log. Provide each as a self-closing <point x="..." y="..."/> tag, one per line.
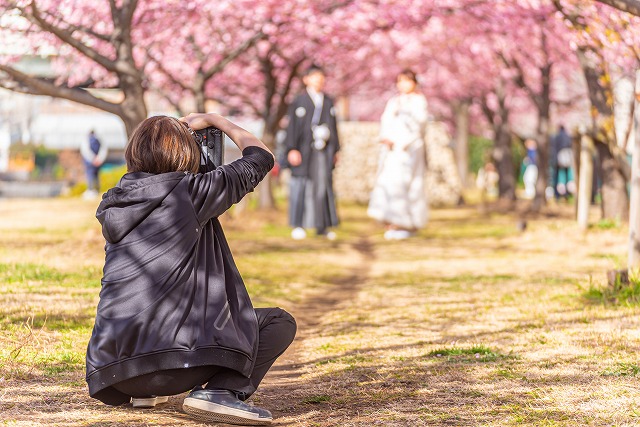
<point x="94" y="153"/>
<point x="174" y="314"/>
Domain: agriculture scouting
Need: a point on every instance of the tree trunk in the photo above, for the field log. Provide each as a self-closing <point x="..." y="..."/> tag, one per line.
<point x="615" y="200"/>
<point x="503" y="158"/>
<point x="633" y="262"/>
<point x="462" y="140"/>
<point x="199" y="92"/>
<point x="133" y="109"/>
<point x="266" y="201"/>
<point x="543" y="104"/>
<point x="502" y="154"/>
<point x="343" y="111"/>
<point x="543" y="163"/>
<point x="585" y="180"/>
<point x="131" y="122"/>
<point x="133" y="112"/>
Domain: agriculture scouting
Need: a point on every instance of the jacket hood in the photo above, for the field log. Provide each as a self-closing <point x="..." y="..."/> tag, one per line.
<point x="132" y="200"/>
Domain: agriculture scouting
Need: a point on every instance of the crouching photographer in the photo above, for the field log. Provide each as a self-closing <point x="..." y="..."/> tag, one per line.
<point x="174" y="314"/>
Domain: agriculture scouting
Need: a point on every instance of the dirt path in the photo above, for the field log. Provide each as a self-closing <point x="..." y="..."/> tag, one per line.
<point x="284" y="380"/>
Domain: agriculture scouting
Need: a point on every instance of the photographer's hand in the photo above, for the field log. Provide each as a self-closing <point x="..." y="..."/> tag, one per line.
<point x="239" y="136"/>
<point x="197" y="121"/>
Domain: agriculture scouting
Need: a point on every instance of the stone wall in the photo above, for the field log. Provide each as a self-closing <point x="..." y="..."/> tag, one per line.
<point x="443" y="180"/>
<point x="356" y="170"/>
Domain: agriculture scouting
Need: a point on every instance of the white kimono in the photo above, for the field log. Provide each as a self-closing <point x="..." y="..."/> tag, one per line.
<point x="399" y="195"/>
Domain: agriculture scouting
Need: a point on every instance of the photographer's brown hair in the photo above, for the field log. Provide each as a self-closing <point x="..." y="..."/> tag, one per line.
<point x="162" y="144"/>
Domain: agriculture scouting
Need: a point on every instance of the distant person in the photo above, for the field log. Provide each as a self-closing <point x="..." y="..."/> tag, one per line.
<point x="311" y="147"/>
<point x="399" y="198"/>
<point x="174" y="314"/>
<point x="530" y="168"/>
<point x="94" y="153"/>
<point x="487" y="181"/>
<point x="562" y="164"/>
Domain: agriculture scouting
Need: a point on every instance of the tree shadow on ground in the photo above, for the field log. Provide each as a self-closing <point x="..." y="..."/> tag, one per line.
<point x="423" y="390"/>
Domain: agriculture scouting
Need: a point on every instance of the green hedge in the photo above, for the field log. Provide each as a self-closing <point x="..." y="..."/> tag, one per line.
<point x="109" y="177"/>
<point x="480" y="153"/>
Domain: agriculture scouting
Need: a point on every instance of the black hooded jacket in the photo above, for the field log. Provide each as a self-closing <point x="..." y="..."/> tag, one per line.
<point x="171" y="294"/>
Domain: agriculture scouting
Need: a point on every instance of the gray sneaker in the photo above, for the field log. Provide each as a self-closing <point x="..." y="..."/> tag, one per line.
<point x="223" y="406"/>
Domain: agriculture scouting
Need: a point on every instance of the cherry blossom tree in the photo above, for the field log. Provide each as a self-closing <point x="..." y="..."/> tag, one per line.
<point x="100" y="38"/>
<point x="605" y="42"/>
<point x="633" y="261"/>
<point x="184" y="61"/>
<point x="248" y="56"/>
<point x="124" y="45"/>
<point x="470" y="55"/>
<point x="534" y="71"/>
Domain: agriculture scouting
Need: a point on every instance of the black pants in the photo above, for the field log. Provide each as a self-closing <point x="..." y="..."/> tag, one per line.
<point x="277" y="329"/>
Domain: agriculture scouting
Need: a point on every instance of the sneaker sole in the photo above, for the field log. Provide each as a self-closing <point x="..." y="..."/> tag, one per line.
<point x="148" y="402"/>
<point x="212" y="412"/>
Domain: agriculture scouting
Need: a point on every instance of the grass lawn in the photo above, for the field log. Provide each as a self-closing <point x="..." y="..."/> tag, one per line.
<point x="470" y="323"/>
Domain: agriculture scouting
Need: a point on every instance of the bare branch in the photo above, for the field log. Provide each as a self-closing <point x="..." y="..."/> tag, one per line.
<point x="627" y="133"/>
<point x="167" y="73"/>
<point x="66" y="36"/>
<point x="489" y="114"/>
<point x="104" y="37"/>
<point x="167" y="97"/>
<point x="629" y="6"/>
<point x="247" y="100"/>
<point x="128" y="9"/>
<point x="233" y="55"/>
<point x="38" y="86"/>
<point x="282" y="107"/>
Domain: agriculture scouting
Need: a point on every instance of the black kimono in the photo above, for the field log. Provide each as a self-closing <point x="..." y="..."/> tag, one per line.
<point x="311" y="198"/>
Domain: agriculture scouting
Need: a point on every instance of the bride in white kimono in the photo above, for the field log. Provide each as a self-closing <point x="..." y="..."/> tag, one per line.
<point x="399" y="198"/>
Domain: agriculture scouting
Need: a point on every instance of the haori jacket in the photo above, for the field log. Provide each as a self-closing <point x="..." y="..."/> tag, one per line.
<point x="299" y="134"/>
<point x="171" y="294"/>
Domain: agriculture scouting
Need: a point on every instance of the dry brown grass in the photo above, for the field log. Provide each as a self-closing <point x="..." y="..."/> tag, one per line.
<point x="469" y="324"/>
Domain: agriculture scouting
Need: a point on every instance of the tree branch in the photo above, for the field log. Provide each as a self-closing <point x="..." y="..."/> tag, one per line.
<point x="167" y="97"/>
<point x="489" y="114"/>
<point x="629" y="6"/>
<point x="66" y="36"/>
<point x="37" y="86"/>
<point x="281" y="109"/>
<point x="128" y="9"/>
<point x="233" y="55"/>
<point x="167" y="73"/>
<point x="81" y="28"/>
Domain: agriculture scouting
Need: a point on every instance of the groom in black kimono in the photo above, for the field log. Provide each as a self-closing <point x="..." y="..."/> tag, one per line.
<point x="311" y="145"/>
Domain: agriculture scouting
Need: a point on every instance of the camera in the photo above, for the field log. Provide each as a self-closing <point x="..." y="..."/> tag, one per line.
<point x="211" y="141"/>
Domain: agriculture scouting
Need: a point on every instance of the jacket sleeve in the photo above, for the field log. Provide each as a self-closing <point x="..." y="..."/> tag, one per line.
<point x="214" y="192"/>
<point x="291" y="137"/>
<point x="421" y="114"/>
<point x="102" y="153"/>
<point x="415" y="123"/>
<point x="85" y="151"/>
<point x="386" y="120"/>
<point x="333" y="128"/>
